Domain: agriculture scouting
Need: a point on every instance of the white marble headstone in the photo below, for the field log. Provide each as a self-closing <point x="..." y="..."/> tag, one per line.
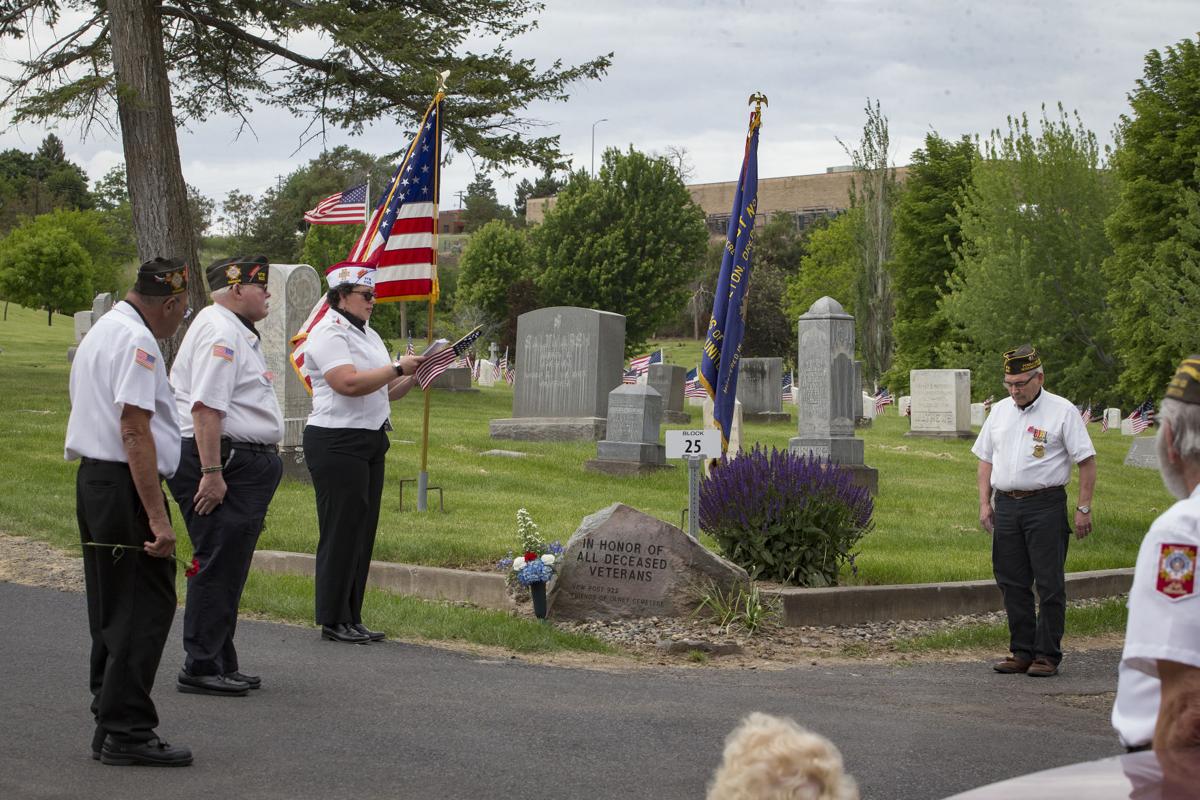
<point x="868" y="402"/>
<point x="487" y="372"/>
<point x="941" y="402"/>
<point x="735" y="434"/>
<point x="1112" y="417"/>
<point x="978" y="414"/>
<point x="295" y="289"/>
<point x="904" y="404"/>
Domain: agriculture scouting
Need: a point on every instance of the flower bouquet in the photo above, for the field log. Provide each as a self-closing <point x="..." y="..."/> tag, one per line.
<point x="535" y="566"/>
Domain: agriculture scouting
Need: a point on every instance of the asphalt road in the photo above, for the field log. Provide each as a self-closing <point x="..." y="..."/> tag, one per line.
<point x="398" y="721"/>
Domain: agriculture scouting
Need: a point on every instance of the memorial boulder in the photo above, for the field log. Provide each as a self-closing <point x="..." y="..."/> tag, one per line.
<point x="622" y="563"/>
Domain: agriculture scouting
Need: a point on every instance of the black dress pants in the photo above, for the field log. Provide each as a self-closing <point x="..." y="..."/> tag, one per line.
<point x="130" y="600"/>
<point x="1029" y="548"/>
<point x="223" y="543"/>
<point x="347" y="471"/>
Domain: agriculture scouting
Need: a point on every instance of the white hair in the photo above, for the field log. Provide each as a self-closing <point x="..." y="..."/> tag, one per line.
<point x="773" y="758"/>
<point x="224" y="291"/>
<point x="1184" y="419"/>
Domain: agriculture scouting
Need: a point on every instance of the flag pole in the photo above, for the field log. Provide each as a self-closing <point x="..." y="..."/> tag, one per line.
<point x="423" y="474"/>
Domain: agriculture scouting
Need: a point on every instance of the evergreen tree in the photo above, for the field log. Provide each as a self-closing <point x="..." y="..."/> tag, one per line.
<point x="1150" y="277"/>
<point x="926" y="233"/>
<point x="481" y="205"/>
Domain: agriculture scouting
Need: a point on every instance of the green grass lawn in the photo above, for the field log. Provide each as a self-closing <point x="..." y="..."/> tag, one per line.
<point x="925" y="519"/>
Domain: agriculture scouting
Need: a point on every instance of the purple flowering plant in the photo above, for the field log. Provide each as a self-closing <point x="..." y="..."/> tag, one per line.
<point x="785" y="517"/>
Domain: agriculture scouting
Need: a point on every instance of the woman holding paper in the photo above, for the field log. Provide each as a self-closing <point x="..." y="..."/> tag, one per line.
<point x="345" y="441"/>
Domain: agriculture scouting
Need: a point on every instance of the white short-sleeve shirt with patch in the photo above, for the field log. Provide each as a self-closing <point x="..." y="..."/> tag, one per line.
<point x="1034" y="447"/>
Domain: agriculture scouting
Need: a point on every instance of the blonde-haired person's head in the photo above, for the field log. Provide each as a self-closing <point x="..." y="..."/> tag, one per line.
<point x="772" y="758"/>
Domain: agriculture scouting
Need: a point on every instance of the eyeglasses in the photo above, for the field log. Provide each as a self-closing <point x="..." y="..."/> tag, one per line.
<point x="368" y="296"/>
<point x="1010" y="385"/>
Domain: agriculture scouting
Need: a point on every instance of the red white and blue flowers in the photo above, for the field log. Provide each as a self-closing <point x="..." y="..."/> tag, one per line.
<point x="536" y="563"/>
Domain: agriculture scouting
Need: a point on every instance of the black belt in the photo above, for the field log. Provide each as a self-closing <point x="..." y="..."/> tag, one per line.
<point x="101" y="463"/>
<point x="1017" y="494"/>
<point x="228" y="445"/>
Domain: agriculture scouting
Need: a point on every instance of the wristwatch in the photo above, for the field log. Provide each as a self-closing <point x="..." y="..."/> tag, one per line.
<point x="399" y="369"/>
<point x="1084" y="509"/>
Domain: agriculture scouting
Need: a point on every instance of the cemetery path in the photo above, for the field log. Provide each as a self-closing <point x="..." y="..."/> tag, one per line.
<point x="396" y="720"/>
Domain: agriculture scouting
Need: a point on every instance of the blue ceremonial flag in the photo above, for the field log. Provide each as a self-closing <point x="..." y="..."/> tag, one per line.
<point x="723" y="344"/>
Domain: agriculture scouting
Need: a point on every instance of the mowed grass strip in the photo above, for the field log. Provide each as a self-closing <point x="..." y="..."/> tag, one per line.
<point x="926" y="526"/>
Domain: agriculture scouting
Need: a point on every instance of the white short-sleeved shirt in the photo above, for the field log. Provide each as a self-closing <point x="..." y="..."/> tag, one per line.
<point x="221" y="364"/>
<point x="335" y="342"/>
<point x="1164" y="617"/>
<point x="1034" y="447"/>
<point x="118" y="363"/>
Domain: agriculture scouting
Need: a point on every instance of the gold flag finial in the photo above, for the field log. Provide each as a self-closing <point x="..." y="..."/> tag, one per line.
<point x="758" y="99"/>
<point x="441" y="87"/>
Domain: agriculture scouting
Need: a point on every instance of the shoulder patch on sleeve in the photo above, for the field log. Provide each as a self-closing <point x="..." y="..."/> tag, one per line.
<point x="222" y="351"/>
<point x="1176" y="571"/>
<point x="143" y="359"/>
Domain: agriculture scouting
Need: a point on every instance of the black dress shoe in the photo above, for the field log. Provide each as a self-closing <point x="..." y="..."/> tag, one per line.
<point x="342" y="632"/>
<point x="216" y="685"/>
<point x="374" y="636"/>
<point x="154" y="753"/>
<point x="253" y="681"/>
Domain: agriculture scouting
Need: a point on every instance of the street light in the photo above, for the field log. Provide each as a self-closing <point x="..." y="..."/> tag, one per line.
<point x="594" y="124"/>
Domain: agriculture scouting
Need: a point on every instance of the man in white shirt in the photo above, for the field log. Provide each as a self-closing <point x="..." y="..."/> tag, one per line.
<point x="1158" y="690"/>
<point x="1025" y="449"/>
<point x="122" y="428"/>
<point x="229" y="466"/>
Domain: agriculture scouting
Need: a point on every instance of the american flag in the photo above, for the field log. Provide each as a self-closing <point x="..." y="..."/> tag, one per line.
<point x="443" y="359"/>
<point x="399" y="239"/>
<point x="504" y="371"/>
<point x="1086" y="414"/>
<point x="343" y="208"/>
<point x="1103" y="422"/>
<point x="641" y="364"/>
<point x="787" y="388"/>
<point x="692" y="387"/>
<point x="409" y="350"/>
<point x="629" y="377"/>
<point x="883" y="399"/>
<point x="1142" y="417"/>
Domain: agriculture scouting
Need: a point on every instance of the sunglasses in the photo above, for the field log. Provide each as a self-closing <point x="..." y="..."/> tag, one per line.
<point x="368" y="296"/>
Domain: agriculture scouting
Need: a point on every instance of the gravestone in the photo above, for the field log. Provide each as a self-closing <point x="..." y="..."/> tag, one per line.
<point x="487" y="372"/>
<point x="860" y="420"/>
<point x="295" y="289"/>
<point x="759" y="390"/>
<point x="1127" y="427"/>
<point x="83" y="324"/>
<point x="455" y="379"/>
<point x="1143" y="452"/>
<point x="1112" y="417"/>
<point x="978" y="415"/>
<point x="903" y="405"/>
<point x="630" y="444"/>
<point x="568" y="360"/>
<point x="622" y="563"/>
<point x="941" y="403"/>
<point x="735" y="430"/>
<point x="829" y="401"/>
<point x="101" y="305"/>
<point x="667" y="380"/>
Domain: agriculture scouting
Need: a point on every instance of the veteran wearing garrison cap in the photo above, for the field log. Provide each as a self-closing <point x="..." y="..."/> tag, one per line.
<point x="123" y="430"/>
<point x="354" y="380"/>
<point x="229" y="466"/>
<point x="1025" y="449"/>
<point x="1158" y="689"/>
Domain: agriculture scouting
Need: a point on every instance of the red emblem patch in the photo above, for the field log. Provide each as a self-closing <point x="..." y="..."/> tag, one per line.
<point x="1176" y="570"/>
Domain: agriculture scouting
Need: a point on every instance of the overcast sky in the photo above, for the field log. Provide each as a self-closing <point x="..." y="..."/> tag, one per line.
<point x="682" y="72"/>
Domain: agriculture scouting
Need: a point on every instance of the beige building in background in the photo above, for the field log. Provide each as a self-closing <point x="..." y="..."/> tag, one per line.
<point x="807" y="197"/>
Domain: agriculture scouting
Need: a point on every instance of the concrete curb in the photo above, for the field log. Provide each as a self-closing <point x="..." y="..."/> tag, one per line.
<point x="484" y="589"/>
<point x="839" y="605"/>
<point x="851" y="605"/>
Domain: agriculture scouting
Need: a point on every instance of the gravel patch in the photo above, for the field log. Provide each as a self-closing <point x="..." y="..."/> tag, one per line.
<point x="34" y="563"/>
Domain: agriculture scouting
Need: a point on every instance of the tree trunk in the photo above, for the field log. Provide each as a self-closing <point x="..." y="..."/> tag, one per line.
<point x="157" y="192"/>
<point x="49" y="317"/>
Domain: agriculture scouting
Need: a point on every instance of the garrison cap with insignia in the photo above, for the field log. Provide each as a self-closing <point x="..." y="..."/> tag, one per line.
<point x="1024" y="359"/>
<point x="1185" y="386"/>
<point x="238" y="270"/>
<point x="161" y="277"/>
<point x="351" y="273"/>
